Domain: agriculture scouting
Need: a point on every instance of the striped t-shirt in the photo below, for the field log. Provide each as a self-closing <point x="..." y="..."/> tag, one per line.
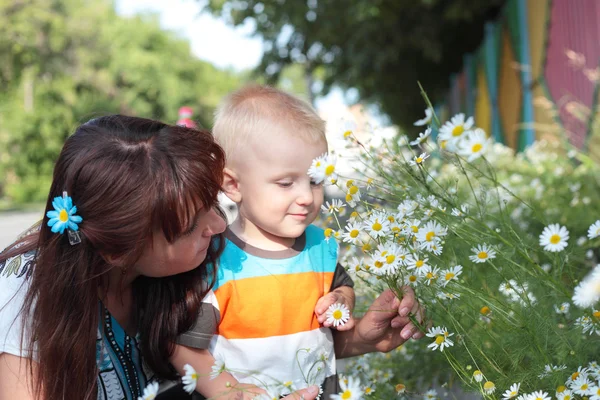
<point x="260" y="320"/>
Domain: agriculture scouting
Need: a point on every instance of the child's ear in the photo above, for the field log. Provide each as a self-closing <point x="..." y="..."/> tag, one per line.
<point x="231" y="186"/>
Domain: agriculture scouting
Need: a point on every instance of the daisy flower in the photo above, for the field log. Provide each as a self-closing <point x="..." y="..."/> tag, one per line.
<point x="352" y="233"/>
<point x="407" y="207"/>
<point x="595" y="393"/>
<point x="218" y="368"/>
<point x="150" y="391"/>
<point x="477" y="375"/>
<point x="581" y="386"/>
<point x="412" y="227"/>
<point x="389" y="256"/>
<point x="430" y="232"/>
<point x="562" y="309"/>
<point x="451" y="274"/>
<point x="454" y="130"/>
<point x="353" y="196"/>
<point x="554" y="238"/>
<point x="474" y="145"/>
<point x="189" y="379"/>
<point x="418" y="160"/>
<point x="539" y="395"/>
<point x="369" y="390"/>
<point x="427" y="119"/>
<point x="431" y="274"/>
<point x="322" y="169"/>
<point x="431" y="394"/>
<point x="348" y="129"/>
<point x="464" y="209"/>
<point x="335" y="206"/>
<point x="377" y="225"/>
<point x="350" y="390"/>
<point x="441" y="338"/>
<point x="483" y="252"/>
<point x="411" y="279"/>
<point x="415" y="262"/>
<point x="512" y="392"/>
<point x="337" y="314"/>
<point x="63" y="216"/>
<point x="400" y="388"/>
<point x="421" y="138"/>
<point x="566" y="394"/>
<point x="489" y="387"/>
<point x="594" y="230"/>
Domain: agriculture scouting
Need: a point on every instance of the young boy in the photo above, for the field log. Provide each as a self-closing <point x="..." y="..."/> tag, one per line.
<point x="278" y="275"/>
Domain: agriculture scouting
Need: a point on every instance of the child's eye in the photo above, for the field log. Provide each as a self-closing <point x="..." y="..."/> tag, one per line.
<point x="284" y="184"/>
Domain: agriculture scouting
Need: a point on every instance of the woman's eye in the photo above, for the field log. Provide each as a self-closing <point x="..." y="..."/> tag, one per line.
<point x="192" y="229"/>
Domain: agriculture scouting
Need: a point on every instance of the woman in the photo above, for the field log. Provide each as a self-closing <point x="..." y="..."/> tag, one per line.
<point x="115" y="280"/>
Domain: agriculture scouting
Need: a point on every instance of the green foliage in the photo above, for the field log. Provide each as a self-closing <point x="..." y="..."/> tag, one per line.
<point x="382" y="48"/>
<point x="65" y="61"/>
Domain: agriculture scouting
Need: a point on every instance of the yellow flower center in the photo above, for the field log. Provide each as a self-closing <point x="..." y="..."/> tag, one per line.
<point x="485" y="310"/>
<point x="63" y="216"/>
<point x="597" y="314"/>
<point x="354" y="214"/>
<point x="419" y="160"/>
<point x="458" y="130"/>
<point x="368" y="390"/>
<point x="318" y="164"/>
<point x="567" y="397"/>
<point x="419" y="263"/>
<point x="554" y="239"/>
<point x="383" y="253"/>
<point x="354" y="233"/>
<point x="357" y="268"/>
<point x="400" y="387"/>
<point x="415" y="228"/>
<point x="378" y="264"/>
<point x="195" y="376"/>
<point x="412" y="278"/>
<point x="443" y="144"/>
<point x="584" y="386"/>
<point x="489" y="385"/>
<point x="366" y="247"/>
<point x="347" y="134"/>
<point x="482" y="255"/>
<point x="391" y="219"/>
<point x="376" y="226"/>
<point x="561" y="389"/>
<point x="575" y="375"/>
<point x="348" y="197"/>
<point x="328" y="232"/>
<point x="430" y="275"/>
<point x="353" y="190"/>
<point x="390" y="259"/>
<point x="329" y="170"/>
<point x="337" y="314"/>
<point x="429" y="237"/>
<point x="347" y="394"/>
<point x="476" y="148"/>
<point x="449" y="276"/>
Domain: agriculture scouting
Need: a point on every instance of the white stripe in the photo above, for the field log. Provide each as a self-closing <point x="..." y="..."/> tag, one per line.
<point x="303" y="358"/>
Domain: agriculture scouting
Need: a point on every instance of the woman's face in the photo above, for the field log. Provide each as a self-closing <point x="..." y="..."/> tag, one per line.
<point x="161" y="258"/>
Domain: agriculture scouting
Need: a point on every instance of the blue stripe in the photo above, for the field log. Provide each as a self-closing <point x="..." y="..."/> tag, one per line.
<point x="317" y="256"/>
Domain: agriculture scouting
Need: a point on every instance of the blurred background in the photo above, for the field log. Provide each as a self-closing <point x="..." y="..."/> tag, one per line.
<point x="526" y="69"/>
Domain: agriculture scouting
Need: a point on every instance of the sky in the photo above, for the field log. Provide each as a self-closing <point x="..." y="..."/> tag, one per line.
<point x="215" y="41"/>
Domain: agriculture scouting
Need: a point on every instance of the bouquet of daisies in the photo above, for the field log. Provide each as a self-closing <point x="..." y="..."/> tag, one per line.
<point x="499" y="247"/>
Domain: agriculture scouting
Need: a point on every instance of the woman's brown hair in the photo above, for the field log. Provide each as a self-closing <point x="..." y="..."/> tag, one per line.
<point x="128" y="177"/>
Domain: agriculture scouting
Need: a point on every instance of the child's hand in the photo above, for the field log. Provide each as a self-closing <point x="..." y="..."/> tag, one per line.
<point x="339" y="295"/>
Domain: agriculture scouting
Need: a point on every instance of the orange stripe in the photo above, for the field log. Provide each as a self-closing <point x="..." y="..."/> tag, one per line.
<point x="271" y="305"/>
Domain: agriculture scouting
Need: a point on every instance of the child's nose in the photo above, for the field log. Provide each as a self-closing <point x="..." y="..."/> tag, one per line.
<point x="306" y="197"/>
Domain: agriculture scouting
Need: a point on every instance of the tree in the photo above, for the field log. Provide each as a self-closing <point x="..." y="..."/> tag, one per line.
<point x="380" y="47"/>
<point x="66" y="61"/>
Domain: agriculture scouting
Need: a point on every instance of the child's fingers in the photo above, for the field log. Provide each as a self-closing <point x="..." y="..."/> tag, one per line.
<point x="324" y="302"/>
<point x="347" y="326"/>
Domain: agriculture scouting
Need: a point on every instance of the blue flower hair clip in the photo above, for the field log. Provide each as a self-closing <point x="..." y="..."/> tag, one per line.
<point x="63" y="217"/>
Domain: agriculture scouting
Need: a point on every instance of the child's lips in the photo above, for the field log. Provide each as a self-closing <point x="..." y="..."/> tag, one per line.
<point x="300" y="215"/>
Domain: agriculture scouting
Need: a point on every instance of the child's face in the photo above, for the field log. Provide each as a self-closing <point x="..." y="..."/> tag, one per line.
<point x="278" y="198"/>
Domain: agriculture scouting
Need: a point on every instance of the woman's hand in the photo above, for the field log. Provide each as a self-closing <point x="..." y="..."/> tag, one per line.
<point x="384" y="327"/>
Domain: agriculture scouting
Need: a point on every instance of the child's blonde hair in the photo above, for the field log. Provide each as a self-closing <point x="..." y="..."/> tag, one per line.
<point x="257" y="111"/>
